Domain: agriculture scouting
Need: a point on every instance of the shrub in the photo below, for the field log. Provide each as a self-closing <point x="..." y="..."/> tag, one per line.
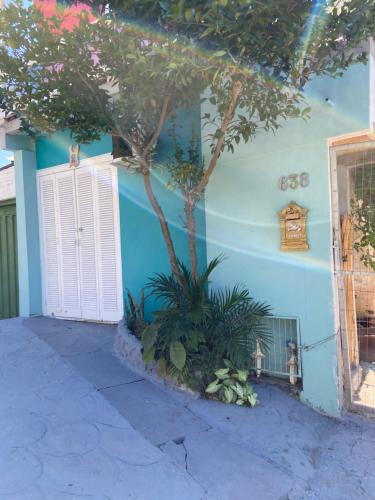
<point x="196" y="330"/>
<point x="231" y="386"/>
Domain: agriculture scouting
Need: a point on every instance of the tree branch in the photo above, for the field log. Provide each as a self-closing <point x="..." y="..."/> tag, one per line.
<point x="236" y="92"/>
<point x="92" y="90"/>
<point x="162" y="118"/>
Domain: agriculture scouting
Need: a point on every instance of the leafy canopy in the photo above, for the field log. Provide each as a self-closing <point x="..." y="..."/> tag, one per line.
<point x="101" y="77"/>
<point x="283" y="37"/>
<point x="159" y="56"/>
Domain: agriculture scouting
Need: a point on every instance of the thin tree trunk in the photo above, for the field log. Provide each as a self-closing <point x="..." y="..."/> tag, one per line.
<point x="236" y="93"/>
<point x="190" y="223"/>
<point x="162" y="221"/>
<point x="145" y="170"/>
<point x="190" y="199"/>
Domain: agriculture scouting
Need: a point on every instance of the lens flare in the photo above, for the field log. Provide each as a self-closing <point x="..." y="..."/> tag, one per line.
<point x="318" y="17"/>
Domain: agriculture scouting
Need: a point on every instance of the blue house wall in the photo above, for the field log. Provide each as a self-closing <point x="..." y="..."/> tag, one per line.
<point x="242" y="204"/>
<point x="142" y="245"/>
<point x="239" y="219"/>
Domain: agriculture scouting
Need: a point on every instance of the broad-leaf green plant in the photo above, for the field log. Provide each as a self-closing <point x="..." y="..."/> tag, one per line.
<point x="231" y="386"/>
<point x="197" y="329"/>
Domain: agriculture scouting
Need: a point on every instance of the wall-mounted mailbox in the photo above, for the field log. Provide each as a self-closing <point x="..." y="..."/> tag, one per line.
<point x="293" y="220"/>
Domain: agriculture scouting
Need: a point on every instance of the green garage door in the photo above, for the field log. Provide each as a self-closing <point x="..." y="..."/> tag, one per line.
<point x="8" y="260"/>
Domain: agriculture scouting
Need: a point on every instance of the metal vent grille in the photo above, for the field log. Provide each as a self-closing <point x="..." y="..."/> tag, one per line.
<point x="284" y="330"/>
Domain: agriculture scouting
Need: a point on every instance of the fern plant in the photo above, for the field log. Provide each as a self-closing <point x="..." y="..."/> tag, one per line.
<point x="196" y="330"/>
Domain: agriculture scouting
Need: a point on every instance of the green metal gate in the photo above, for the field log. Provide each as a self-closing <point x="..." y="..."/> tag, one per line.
<point x="8" y="260"/>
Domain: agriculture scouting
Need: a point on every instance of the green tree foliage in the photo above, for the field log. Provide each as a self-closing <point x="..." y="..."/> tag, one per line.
<point x="129" y="72"/>
<point x="310" y="36"/>
<point x="363" y="214"/>
<point x="54" y="78"/>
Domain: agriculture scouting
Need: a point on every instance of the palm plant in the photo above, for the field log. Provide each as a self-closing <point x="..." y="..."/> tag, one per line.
<point x="236" y="323"/>
<point x="196" y="330"/>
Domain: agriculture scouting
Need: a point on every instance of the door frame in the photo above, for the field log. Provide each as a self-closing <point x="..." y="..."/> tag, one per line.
<point x="95" y="161"/>
<point x="344" y="144"/>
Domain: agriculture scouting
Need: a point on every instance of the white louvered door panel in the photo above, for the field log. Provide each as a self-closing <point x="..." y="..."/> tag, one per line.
<point x="49" y="239"/>
<point x="87" y="244"/>
<point x="108" y="244"/>
<point x="80" y="237"/>
<point x="68" y="237"/>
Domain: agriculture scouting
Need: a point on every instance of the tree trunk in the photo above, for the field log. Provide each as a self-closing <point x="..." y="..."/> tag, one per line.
<point x="190" y="223"/>
<point x="235" y="96"/>
<point x="162" y="221"/>
<point x="191" y="198"/>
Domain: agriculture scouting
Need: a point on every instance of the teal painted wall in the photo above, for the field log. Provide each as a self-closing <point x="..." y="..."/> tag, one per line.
<point x="54" y="150"/>
<point x="142" y="246"/>
<point x="242" y="205"/>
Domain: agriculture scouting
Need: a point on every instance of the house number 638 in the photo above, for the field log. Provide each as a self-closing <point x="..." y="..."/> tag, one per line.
<point x="294" y="181"/>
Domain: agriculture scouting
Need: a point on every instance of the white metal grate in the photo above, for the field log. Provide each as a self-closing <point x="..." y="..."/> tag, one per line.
<point x="284" y="330"/>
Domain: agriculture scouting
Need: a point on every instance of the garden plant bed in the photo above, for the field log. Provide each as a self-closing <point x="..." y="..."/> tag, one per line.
<point x="128" y="349"/>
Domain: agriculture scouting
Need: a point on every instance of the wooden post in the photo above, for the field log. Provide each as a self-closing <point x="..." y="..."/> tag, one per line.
<point x="350" y="311"/>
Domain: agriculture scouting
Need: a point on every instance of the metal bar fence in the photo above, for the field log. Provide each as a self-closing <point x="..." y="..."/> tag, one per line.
<point x="284" y="331"/>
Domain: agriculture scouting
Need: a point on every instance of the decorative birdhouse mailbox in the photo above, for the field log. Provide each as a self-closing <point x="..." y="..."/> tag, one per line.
<point x="293" y="227"/>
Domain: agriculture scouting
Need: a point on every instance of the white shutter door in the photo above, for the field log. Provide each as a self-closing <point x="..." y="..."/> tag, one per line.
<point x="67" y="224"/>
<point x="87" y="244"/>
<point x="50" y="254"/>
<point x="108" y="244"/>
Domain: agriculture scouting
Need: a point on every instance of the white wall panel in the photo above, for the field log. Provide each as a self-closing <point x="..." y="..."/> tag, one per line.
<point x="7" y="184"/>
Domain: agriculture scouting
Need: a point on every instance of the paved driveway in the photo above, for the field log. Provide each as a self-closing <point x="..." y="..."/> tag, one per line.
<point x="78" y="424"/>
<point x="60" y="439"/>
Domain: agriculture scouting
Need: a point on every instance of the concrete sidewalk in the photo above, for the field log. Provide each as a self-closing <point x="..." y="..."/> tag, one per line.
<point x="61" y="440"/>
<point x="279" y="450"/>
